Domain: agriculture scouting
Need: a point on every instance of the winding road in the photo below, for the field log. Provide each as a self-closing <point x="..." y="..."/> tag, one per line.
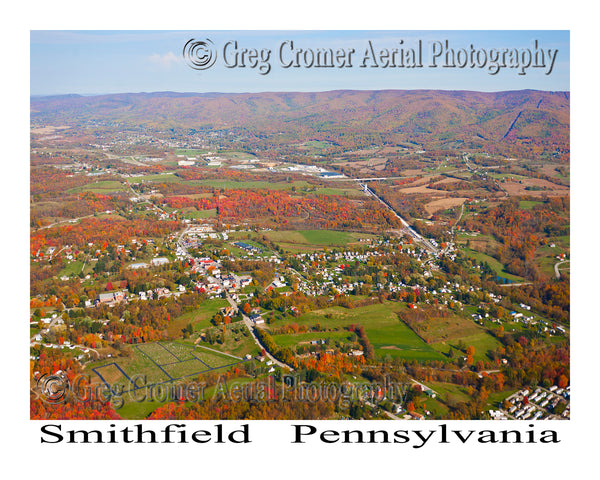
<point x="556" y="265"/>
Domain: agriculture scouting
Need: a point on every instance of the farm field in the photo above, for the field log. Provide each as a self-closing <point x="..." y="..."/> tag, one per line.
<point x="441" y="333"/>
<point x="320" y="238"/>
<point x="528" y="204"/>
<point x="398" y="340"/>
<point x="443" y="204"/>
<point x="190" y="152"/>
<point x="386" y="332"/>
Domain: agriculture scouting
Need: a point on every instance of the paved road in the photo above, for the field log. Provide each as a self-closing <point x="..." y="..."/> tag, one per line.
<point x="250" y="327"/>
<point x="406" y="225"/>
<point x="247" y="320"/>
<point x="556" y="265"/>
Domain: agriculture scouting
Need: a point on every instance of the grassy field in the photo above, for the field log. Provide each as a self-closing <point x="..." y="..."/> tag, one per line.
<point x="441" y="333"/>
<point x="341" y="192"/>
<point x="564" y="241"/>
<point x="72" y="268"/>
<point x="192" y="213"/>
<point x="547" y="266"/>
<point x="392" y="337"/>
<point x="160" y="177"/>
<point x="450" y="392"/>
<point x="494" y="264"/>
<point x="386" y="332"/>
<point x="528" y="204"/>
<point x="398" y="340"/>
<point x="314" y="146"/>
<point x="235" y="155"/>
<point x="481" y="341"/>
<point x="291" y="340"/>
<point x="155" y="366"/>
<point x="200" y="318"/>
<point x="319" y="238"/>
<point x="104" y="186"/>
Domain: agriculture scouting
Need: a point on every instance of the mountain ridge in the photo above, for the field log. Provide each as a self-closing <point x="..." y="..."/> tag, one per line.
<point x="432" y="118"/>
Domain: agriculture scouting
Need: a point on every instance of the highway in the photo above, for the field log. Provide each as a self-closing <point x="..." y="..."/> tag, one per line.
<point x="418" y="238"/>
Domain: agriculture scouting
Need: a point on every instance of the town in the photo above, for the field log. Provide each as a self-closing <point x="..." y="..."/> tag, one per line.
<point x="194" y="255"/>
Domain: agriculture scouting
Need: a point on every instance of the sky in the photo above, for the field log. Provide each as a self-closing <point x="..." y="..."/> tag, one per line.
<point x="91" y="62"/>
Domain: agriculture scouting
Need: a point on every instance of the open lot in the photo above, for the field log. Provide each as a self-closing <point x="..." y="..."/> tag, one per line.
<point x="317" y="238"/>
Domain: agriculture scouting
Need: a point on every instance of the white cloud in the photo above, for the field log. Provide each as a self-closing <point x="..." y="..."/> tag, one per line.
<point x="164" y="60"/>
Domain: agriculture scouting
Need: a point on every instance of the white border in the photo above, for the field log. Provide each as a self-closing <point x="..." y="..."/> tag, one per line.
<point x="272" y="454"/>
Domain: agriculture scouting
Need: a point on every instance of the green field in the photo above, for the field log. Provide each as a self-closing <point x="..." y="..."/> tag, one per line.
<point x="341" y="192"/>
<point x="398" y="340"/>
<point x="387" y="333"/>
<point x="321" y="238"/>
<point x="315" y="146"/>
<point x="481" y="341"/>
<point x="235" y="343"/>
<point x="235" y="155"/>
<point x="199" y="318"/>
<point x="389" y="336"/>
<point x="563" y="241"/>
<point x="528" y="204"/>
<point x="155" y="366"/>
<point x="161" y="177"/>
<point x="192" y="213"/>
<point x="291" y="340"/>
<point x="104" y="186"/>
<point x="512" y="176"/>
<point x="494" y="264"/>
<point x="450" y="392"/>
<point x="72" y="268"/>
